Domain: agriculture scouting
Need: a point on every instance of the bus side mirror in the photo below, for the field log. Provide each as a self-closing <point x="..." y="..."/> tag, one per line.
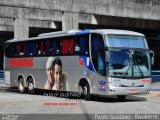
<point x="152" y="57"/>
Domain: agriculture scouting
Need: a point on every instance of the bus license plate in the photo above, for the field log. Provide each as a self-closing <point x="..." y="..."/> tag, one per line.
<point x="132" y="91"/>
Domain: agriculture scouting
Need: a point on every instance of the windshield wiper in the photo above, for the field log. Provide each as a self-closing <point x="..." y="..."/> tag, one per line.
<point x="121" y="73"/>
<point x="140" y="71"/>
<point x="126" y="72"/>
<point x="134" y="61"/>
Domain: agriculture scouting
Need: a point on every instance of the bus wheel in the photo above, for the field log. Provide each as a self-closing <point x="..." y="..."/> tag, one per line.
<point x="121" y="97"/>
<point x="21" y="87"/>
<point x="31" y="89"/>
<point x="86" y="91"/>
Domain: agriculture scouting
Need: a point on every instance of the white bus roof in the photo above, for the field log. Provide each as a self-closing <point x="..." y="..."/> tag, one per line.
<point x="119" y="32"/>
<point x="78" y="32"/>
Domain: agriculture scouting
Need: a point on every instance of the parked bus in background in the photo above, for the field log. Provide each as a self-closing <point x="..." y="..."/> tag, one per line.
<point x="103" y="62"/>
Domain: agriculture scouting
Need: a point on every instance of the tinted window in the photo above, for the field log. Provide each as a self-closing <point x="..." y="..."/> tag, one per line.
<point x="98" y="54"/>
<point x="82" y="44"/>
<point x="49" y="47"/>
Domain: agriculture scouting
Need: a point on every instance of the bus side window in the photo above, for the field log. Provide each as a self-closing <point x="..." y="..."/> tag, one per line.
<point x="45" y="47"/>
<point x="18" y="49"/>
<point x="68" y="46"/>
<point x="48" y="49"/>
<point x="39" y="47"/>
<point x="42" y="48"/>
<point x="71" y="46"/>
<point x="82" y="44"/>
<point x="31" y="47"/>
<point x="54" y="45"/>
<point x="25" y="49"/>
<point x="65" y="46"/>
<point x="77" y="47"/>
<point x="35" y="52"/>
<point x="22" y="49"/>
<point x="7" y="50"/>
<point x="59" y="44"/>
<point x="10" y="50"/>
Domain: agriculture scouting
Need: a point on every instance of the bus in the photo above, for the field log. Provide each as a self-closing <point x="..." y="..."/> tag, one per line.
<point x="92" y="62"/>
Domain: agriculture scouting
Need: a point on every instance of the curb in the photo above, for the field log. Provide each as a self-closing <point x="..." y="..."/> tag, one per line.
<point x="152" y="94"/>
<point x="4" y="87"/>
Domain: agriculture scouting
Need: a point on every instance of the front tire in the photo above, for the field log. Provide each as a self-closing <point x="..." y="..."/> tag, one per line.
<point x="31" y="89"/>
<point x="21" y="87"/>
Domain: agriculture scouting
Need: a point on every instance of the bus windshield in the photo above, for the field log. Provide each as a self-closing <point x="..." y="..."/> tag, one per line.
<point x="127" y="63"/>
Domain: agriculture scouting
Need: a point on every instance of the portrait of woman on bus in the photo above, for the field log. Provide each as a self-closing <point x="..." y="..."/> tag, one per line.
<point x="56" y="80"/>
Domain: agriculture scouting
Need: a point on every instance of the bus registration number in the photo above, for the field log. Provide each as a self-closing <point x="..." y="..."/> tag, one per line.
<point x="133" y="91"/>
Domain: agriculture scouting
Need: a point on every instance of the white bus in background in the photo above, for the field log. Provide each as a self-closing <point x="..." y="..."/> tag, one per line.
<point x="103" y="62"/>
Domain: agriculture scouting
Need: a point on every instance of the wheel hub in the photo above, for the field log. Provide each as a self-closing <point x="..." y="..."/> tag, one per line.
<point x="85" y="90"/>
<point x="30" y="86"/>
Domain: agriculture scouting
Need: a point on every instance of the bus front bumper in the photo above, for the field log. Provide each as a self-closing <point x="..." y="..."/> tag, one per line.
<point x="128" y="90"/>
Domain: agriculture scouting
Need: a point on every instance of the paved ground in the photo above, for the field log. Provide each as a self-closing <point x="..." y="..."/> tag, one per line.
<point x="27" y="106"/>
<point x="11" y="102"/>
